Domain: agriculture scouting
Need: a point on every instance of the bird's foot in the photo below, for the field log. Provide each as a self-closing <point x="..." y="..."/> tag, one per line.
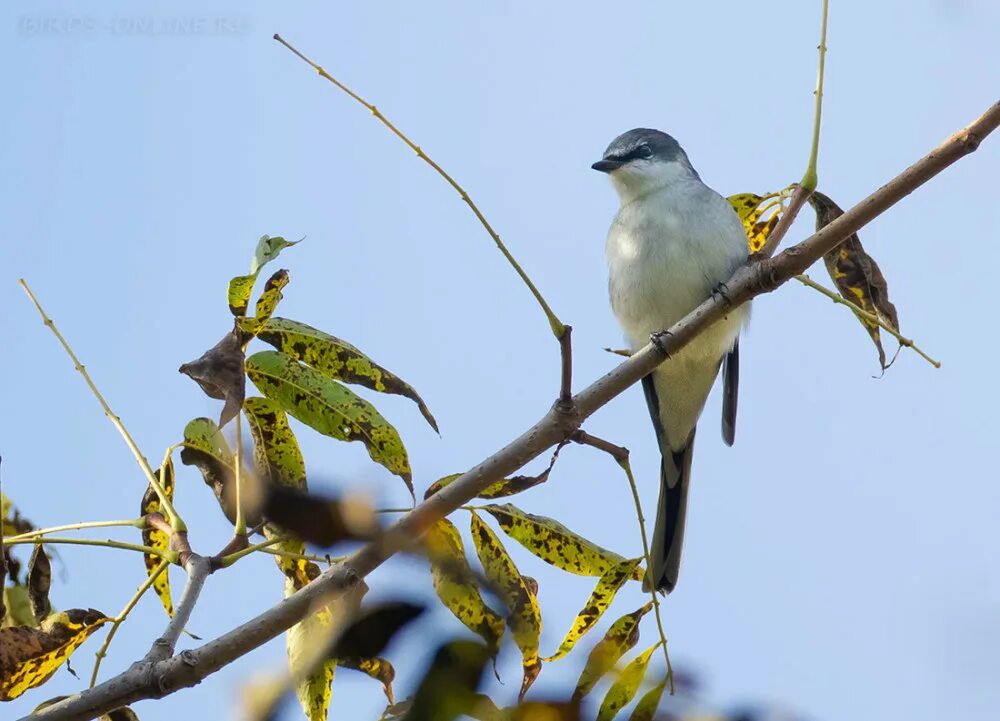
<point x="659" y="340"/>
<point x="722" y="291"/>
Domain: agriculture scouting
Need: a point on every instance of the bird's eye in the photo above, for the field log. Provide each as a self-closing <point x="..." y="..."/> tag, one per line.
<point x="644" y="151"/>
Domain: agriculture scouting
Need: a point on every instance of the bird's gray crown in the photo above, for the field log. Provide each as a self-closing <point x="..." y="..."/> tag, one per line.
<point x="632" y="144"/>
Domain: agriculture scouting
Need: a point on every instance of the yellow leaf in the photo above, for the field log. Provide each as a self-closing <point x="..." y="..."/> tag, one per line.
<point x="500" y="489"/>
<point x="378" y="668"/>
<point x="596" y="605"/>
<point x="156" y="538"/>
<point x="29" y="656"/>
<point x="622" y="636"/>
<point x="623" y="689"/>
<point x="554" y="543"/>
<point x="646" y="708"/>
<point x="455" y="585"/>
<point x="750" y="208"/>
<point x="525" y="619"/>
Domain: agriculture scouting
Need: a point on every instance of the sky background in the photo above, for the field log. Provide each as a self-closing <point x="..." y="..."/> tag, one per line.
<point x="842" y="561"/>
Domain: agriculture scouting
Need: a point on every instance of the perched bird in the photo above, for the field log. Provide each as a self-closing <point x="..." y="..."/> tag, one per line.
<point x="673" y="243"/>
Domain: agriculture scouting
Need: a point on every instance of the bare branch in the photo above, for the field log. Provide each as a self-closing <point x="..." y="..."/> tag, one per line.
<point x="157" y="679"/>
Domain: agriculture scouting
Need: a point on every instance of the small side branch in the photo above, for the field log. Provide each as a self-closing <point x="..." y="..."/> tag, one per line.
<point x="198" y="569"/>
<point x="566" y="354"/>
<point x="861" y="312"/>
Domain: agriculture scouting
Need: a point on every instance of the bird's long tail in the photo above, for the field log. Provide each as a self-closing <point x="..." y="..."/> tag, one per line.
<point x="668" y="534"/>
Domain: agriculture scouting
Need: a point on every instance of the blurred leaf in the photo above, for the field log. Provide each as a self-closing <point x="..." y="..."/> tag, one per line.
<point x="596" y="605"/>
<point x="320" y="520"/>
<point x="219" y="372"/>
<point x="238" y="294"/>
<point x="373" y="628"/>
<point x="39" y="582"/>
<point x="545" y="711"/>
<point x="329" y="408"/>
<point x="645" y="710"/>
<point x="500" y="489"/>
<point x="378" y="668"/>
<point x="455" y="584"/>
<point x="313" y="690"/>
<point x="856" y="275"/>
<point x="525" y="619"/>
<point x="120" y="714"/>
<point x="158" y="539"/>
<point x="554" y="543"/>
<point x="622" y="636"/>
<point x="29" y="656"/>
<point x="623" y="690"/>
<point x="206" y="448"/>
<point x="18" y="605"/>
<point x="267" y="250"/>
<point x="449" y="687"/>
<point x="337" y="359"/>
<point x="747" y="207"/>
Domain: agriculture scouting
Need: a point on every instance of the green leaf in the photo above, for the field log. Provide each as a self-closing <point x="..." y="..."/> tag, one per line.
<point x="206" y="448"/>
<point x="337" y="359"/>
<point x="554" y="543"/>
<point x="525" y="620"/>
<point x="500" y="489"/>
<point x="313" y="691"/>
<point x="646" y="708"/>
<point x="596" y="605"/>
<point x="623" y="690"/>
<point x="239" y="292"/>
<point x="158" y="539"/>
<point x="622" y="636"/>
<point x="329" y="408"/>
<point x="267" y="250"/>
<point x="276" y="450"/>
<point x="455" y="584"/>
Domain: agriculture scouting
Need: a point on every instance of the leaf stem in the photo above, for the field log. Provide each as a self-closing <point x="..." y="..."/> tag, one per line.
<point x="135" y="523"/>
<point x="232" y="558"/>
<point x="554" y="323"/>
<point x="627" y="467"/>
<point x="809" y="180"/>
<point x="303" y="556"/>
<point x="175" y="519"/>
<point x="167" y="554"/>
<point x="103" y="650"/>
<point x="837" y="298"/>
<point x="241" y="523"/>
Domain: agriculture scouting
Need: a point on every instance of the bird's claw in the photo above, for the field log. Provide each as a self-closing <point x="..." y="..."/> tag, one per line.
<point x="659" y="340"/>
<point x="722" y="291"/>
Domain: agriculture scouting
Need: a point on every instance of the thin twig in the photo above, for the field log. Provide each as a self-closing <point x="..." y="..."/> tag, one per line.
<point x="798" y="199"/>
<point x="173" y="674"/>
<point x="106" y="543"/>
<point x="241" y="524"/>
<point x="809" y="179"/>
<point x="872" y="317"/>
<point x="554" y="322"/>
<point x="231" y="558"/>
<point x="140" y="459"/>
<point x="198" y="569"/>
<point x="103" y="650"/>
<point x="619" y="453"/>
<point x="135" y="523"/>
<point x="566" y="355"/>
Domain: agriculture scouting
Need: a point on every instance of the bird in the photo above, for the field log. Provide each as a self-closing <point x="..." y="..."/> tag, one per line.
<point x="672" y="244"/>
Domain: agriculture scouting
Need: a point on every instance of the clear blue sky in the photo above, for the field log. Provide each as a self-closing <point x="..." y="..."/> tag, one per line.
<point x="841" y="559"/>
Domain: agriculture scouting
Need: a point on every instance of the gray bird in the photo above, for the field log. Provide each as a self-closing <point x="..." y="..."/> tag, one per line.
<point x="672" y="244"/>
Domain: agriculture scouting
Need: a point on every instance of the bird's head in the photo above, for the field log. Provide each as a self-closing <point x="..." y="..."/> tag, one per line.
<point x="643" y="160"/>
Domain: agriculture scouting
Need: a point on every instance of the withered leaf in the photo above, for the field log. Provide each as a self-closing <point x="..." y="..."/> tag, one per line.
<point x="500" y="489"/>
<point x="320" y="520"/>
<point x="856" y="274"/>
<point x="29" y="656"/>
<point x="378" y="668"/>
<point x="449" y="687"/>
<point x="368" y="634"/>
<point x="39" y="582"/>
<point x="219" y="372"/>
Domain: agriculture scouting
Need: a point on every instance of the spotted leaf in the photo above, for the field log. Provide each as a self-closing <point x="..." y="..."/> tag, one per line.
<point x="750" y="208"/>
<point x="239" y="292"/>
<point x="378" y="668"/>
<point x="554" y="543"/>
<point x="500" y="489"/>
<point x="455" y="585"/>
<point x="328" y="407"/>
<point x="622" y="636"/>
<point x="29" y="656"/>
<point x="158" y="539"/>
<point x="206" y="448"/>
<point x="623" y="690"/>
<point x="337" y="359"/>
<point x="597" y="604"/>
<point x="524" y="620"/>
<point x="267" y="250"/>
<point x="856" y="275"/>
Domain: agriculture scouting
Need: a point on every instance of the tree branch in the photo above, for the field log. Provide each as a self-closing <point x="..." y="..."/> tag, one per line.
<point x="157" y="679"/>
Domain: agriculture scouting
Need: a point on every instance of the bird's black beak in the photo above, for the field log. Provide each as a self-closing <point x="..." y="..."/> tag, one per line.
<point x="606" y="165"/>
